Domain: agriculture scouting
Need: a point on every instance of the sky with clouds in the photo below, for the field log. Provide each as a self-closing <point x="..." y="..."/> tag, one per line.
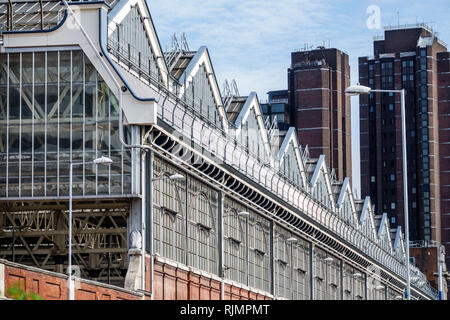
<point x="251" y="40"/>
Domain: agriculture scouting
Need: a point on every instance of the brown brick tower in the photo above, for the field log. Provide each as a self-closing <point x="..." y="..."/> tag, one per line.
<point x="413" y="58"/>
<point x="317" y="80"/>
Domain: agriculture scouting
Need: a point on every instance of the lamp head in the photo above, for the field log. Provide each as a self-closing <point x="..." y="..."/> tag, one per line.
<point x="176" y="176"/>
<point x="291" y="240"/>
<point x="357" y="90"/>
<point x="243" y="214"/>
<point x="103" y="161"/>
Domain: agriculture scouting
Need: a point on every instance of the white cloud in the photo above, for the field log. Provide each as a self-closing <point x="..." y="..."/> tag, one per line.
<point x="251" y="40"/>
<point x="253" y="37"/>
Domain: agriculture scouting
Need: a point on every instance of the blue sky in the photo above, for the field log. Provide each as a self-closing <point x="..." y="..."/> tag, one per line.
<point x="251" y="40"/>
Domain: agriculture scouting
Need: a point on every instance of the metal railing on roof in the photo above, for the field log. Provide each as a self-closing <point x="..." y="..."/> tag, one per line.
<point x="423" y="25"/>
<point x="19" y="15"/>
<point x="423" y="244"/>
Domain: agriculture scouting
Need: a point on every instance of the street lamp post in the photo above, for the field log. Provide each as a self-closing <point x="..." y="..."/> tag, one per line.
<point x="290" y="241"/>
<point x="99" y="161"/>
<point x="172" y="177"/>
<point x="327" y="260"/>
<point x="358" y="90"/>
<point x="222" y="267"/>
<point x="352" y="276"/>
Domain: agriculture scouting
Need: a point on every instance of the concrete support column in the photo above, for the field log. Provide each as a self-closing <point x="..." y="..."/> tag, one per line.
<point x="134" y="279"/>
<point x="134" y="274"/>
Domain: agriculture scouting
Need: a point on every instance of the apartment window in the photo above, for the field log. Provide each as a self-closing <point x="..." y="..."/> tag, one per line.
<point x="372" y="179"/>
<point x="423" y="77"/>
<point x="392" y="205"/>
<point x="392" y="177"/>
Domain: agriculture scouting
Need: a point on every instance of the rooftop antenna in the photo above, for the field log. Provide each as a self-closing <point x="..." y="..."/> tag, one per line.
<point x="234" y="88"/>
<point x="226" y="91"/>
<point x="398" y="18"/>
<point x="184" y="43"/>
<point x="175" y="44"/>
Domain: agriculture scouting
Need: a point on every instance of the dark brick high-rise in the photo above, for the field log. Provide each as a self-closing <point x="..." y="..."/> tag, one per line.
<point x="321" y="111"/>
<point x="413" y="58"/>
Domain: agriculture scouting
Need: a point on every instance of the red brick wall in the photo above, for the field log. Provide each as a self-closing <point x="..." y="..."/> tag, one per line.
<point x="171" y="283"/>
<point x="53" y="286"/>
<point x="178" y="283"/>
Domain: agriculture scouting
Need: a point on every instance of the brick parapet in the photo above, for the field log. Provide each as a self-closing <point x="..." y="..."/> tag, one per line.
<point x="53" y="286"/>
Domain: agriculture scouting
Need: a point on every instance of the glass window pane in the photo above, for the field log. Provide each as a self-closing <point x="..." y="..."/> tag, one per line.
<point x="39" y="67"/>
<point x="52" y="102"/>
<point x="14" y="68"/>
<point x="77" y="66"/>
<point x="64" y="67"/>
<point x="27" y="68"/>
<point x="77" y="101"/>
<point x="14" y="102"/>
<point x="52" y="67"/>
<point x="3" y="105"/>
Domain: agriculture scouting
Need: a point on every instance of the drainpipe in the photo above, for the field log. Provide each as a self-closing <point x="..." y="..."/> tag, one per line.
<point x="121" y="139"/>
